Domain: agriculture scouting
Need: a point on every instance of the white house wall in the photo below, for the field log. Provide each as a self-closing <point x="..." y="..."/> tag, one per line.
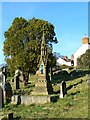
<point x="63" y="62"/>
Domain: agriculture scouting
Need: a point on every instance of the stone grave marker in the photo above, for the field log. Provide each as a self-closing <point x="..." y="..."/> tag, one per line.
<point x="16" y="82"/>
<point x="16" y="99"/>
<point x="63" y="90"/>
<point x="7" y="91"/>
<point x="3" y="77"/>
<point x="1" y="98"/>
<point x="10" y="116"/>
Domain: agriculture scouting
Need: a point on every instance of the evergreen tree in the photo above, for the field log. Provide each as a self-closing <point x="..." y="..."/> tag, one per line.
<point x="22" y="44"/>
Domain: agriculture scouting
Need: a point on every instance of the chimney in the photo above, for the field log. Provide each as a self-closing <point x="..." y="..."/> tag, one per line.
<point x="72" y="57"/>
<point x="85" y="40"/>
<point x="65" y="57"/>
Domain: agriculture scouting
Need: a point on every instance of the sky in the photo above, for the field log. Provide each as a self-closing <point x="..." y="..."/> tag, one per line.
<point x="70" y="20"/>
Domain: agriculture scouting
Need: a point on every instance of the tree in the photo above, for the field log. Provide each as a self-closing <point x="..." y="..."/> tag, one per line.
<point x="57" y="55"/>
<point x="23" y="43"/>
<point x="84" y="60"/>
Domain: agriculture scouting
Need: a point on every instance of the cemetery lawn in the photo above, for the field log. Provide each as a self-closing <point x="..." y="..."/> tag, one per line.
<point x="73" y="105"/>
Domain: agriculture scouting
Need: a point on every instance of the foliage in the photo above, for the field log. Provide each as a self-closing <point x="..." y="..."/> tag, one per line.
<point x="57" y="55"/>
<point x="83" y="62"/>
<point x="23" y="41"/>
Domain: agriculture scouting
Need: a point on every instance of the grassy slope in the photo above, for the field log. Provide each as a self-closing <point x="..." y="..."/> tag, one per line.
<point x="73" y="105"/>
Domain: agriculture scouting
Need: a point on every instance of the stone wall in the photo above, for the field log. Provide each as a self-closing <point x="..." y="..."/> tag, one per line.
<point x="25" y="99"/>
<point x="34" y="99"/>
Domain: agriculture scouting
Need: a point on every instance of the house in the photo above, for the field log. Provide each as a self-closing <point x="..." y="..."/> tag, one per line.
<point x="64" y="61"/>
<point x="85" y="46"/>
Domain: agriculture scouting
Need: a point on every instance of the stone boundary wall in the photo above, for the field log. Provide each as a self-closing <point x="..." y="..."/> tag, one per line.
<point x="25" y="99"/>
<point x="34" y="99"/>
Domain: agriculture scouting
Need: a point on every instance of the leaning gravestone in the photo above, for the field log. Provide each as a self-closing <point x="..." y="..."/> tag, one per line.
<point x="63" y="90"/>
<point x="1" y="98"/>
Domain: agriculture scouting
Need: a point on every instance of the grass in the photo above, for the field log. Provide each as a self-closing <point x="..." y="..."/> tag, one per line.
<point x="9" y="78"/>
<point x="73" y="105"/>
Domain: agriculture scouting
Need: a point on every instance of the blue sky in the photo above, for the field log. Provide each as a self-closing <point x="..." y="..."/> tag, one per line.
<point x="69" y="18"/>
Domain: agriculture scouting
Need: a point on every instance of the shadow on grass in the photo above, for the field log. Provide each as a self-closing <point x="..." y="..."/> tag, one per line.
<point x="54" y="98"/>
<point x="65" y="76"/>
<point x="56" y="92"/>
<point x="75" y="93"/>
<point x="71" y="86"/>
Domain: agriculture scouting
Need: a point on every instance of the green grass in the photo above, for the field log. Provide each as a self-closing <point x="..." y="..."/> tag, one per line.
<point x="73" y="105"/>
<point x="9" y="78"/>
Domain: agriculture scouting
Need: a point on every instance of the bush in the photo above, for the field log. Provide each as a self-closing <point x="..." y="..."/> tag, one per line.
<point x="83" y="62"/>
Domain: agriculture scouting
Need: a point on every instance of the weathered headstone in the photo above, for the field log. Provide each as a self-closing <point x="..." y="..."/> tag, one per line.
<point x="7" y="91"/>
<point x="16" y="82"/>
<point x="1" y="98"/>
<point x="10" y="116"/>
<point x="3" y="76"/>
<point x="63" y="90"/>
<point x="16" y="99"/>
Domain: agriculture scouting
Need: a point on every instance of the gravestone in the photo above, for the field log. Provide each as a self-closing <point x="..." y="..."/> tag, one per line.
<point x="1" y="98"/>
<point x="3" y="77"/>
<point x="16" y="99"/>
<point x="63" y="90"/>
<point x="10" y="116"/>
<point x="16" y="82"/>
<point x="7" y="91"/>
<point x="18" y="79"/>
